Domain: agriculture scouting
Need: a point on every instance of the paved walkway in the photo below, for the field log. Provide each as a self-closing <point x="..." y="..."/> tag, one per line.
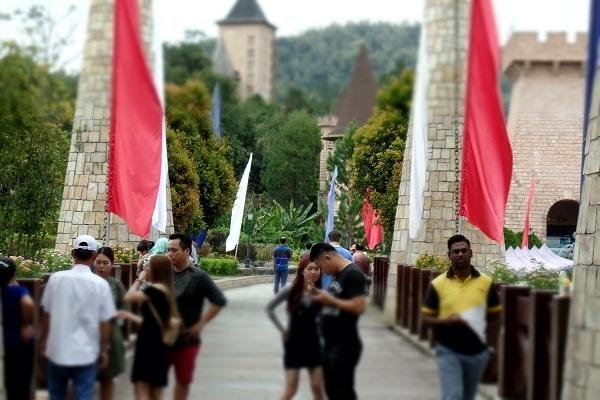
<point x="241" y="358"/>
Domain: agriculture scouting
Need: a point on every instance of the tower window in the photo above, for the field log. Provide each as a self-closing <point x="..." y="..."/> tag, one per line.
<point x="251" y="39"/>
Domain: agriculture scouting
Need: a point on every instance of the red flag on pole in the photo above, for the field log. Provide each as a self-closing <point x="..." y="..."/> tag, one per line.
<point x="525" y="239"/>
<point x="135" y="151"/>
<point x="487" y="155"/>
<point x="373" y="230"/>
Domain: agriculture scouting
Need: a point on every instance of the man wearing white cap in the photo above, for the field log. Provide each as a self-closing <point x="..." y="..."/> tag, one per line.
<point x="78" y="306"/>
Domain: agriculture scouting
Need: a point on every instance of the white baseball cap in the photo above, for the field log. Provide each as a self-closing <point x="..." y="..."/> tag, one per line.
<point x="85" y="242"/>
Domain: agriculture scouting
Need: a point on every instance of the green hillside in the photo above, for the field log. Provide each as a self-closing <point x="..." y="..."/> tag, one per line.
<point x="320" y="61"/>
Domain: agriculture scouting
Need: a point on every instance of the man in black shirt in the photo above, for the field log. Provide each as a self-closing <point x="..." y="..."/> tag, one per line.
<point x="191" y="286"/>
<point x="343" y="302"/>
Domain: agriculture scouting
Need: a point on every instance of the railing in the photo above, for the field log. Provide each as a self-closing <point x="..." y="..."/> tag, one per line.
<point x="529" y="340"/>
<point x="380" y="276"/>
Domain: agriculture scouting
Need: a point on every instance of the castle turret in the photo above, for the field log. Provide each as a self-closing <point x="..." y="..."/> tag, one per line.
<point x="249" y="40"/>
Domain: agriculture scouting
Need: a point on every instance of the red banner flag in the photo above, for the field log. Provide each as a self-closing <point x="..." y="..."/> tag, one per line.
<point x="373" y="231"/>
<point x="135" y="152"/>
<point x="487" y="155"/>
<point x="525" y="239"/>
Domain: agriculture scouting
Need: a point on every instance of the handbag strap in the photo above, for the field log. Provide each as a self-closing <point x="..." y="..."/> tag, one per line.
<point x="156" y="315"/>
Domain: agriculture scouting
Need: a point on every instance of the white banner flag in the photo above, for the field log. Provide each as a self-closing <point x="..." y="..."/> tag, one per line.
<point x="418" y="161"/>
<point x="237" y="212"/>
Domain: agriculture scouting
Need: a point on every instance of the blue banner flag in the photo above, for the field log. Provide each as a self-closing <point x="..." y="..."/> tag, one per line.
<point x="200" y="237"/>
<point x="329" y="223"/>
<point x="216" y="110"/>
<point x="592" y="65"/>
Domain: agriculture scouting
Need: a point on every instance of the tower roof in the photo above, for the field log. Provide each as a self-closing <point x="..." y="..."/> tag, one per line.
<point x="221" y="62"/>
<point x="246" y="12"/>
<point x="359" y="98"/>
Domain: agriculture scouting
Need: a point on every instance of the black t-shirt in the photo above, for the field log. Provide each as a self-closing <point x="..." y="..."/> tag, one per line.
<point x="192" y="286"/>
<point x="340" y="326"/>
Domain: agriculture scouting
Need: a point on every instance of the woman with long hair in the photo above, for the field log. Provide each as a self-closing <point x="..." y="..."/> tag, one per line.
<point x="301" y="342"/>
<point x="116" y="355"/>
<point x="18" y="334"/>
<point x="157" y="306"/>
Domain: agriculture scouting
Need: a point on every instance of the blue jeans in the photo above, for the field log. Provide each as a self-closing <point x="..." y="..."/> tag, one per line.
<point x="280" y="279"/>
<point x="84" y="379"/>
<point x="460" y="373"/>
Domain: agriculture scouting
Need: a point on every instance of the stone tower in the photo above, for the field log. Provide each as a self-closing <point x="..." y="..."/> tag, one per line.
<point x="249" y="40"/>
<point x="445" y="95"/>
<point x="84" y="194"/>
<point x="356" y="105"/>
<point x="545" y="125"/>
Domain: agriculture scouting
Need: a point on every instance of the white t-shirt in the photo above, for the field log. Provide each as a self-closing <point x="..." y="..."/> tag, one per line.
<point x="77" y="301"/>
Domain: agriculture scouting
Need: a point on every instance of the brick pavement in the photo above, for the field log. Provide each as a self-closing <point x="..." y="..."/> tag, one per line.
<point x="241" y="358"/>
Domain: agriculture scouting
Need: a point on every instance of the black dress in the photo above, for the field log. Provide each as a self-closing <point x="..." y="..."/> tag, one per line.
<point x="302" y="349"/>
<point x="150" y="363"/>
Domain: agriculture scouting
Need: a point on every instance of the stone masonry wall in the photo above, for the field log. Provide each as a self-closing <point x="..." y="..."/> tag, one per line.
<point x="327" y="124"/>
<point x="544" y="123"/>
<point x="84" y="193"/>
<point x="582" y="366"/>
<point x="440" y="202"/>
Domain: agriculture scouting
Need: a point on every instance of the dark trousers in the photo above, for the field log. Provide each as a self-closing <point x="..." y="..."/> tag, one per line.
<point x="339" y="366"/>
<point x="18" y="370"/>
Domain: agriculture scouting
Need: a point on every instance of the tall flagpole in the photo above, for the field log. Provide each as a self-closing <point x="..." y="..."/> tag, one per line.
<point x="456" y="121"/>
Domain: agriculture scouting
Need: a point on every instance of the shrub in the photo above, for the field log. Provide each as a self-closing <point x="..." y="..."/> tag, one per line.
<point x="54" y="260"/>
<point x="502" y="273"/>
<point x="264" y="252"/>
<point x="542" y="278"/>
<point x="27" y="268"/>
<point x="124" y="254"/>
<point x="216" y="238"/>
<point x="433" y="261"/>
<point x="223" y="266"/>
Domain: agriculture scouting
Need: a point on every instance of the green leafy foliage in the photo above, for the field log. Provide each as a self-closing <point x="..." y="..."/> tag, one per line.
<point x="432" y="261"/>
<point x="188" y="111"/>
<point x="124" y="254"/>
<point x="342" y="155"/>
<point x="222" y="266"/>
<point x="502" y="273"/>
<point x="513" y="239"/>
<point x="377" y="165"/>
<point x="291" y="159"/>
<point x="36" y="108"/>
<point x="348" y="219"/>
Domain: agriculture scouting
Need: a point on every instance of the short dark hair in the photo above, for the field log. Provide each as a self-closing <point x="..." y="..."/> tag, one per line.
<point x="308" y="245"/>
<point x="334" y="236"/>
<point x="319" y="248"/>
<point x="82" y="254"/>
<point x="458" y="239"/>
<point x="282" y="240"/>
<point x="145" y="245"/>
<point x="108" y="252"/>
<point x="184" y="240"/>
<point x="360" y="247"/>
<point x="8" y="269"/>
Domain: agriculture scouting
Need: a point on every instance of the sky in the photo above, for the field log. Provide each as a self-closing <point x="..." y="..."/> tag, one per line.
<point x="295" y="16"/>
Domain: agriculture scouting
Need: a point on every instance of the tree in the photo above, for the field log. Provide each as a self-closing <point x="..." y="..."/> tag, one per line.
<point x="348" y="219"/>
<point x="341" y="156"/>
<point x="397" y="93"/>
<point x="291" y="159"/>
<point x="36" y="108"/>
<point x="377" y="164"/>
<point x="188" y="112"/>
<point x="184" y="181"/>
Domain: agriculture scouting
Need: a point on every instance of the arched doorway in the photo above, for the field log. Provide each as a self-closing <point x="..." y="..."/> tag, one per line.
<point x="561" y="223"/>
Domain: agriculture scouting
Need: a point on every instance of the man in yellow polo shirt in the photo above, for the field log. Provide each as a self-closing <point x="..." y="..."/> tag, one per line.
<point x="457" y="304"/>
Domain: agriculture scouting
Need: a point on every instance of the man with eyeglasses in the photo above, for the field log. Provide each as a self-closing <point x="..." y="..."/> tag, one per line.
<point x="457" y="305"/>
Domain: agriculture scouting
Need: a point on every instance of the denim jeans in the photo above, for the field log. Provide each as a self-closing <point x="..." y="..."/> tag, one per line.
<point x="339" y="366"/>
<point x="280" y="279"/>
<point x="84" y="379"/>
<point x="460" y="373"/>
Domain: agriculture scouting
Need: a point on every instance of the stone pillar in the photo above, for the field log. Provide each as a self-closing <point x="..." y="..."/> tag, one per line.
<point x="582" y="358"/>
<point x="327" y="124"/>
<point x="84" y="193"/>
<point x="440" y="197"/>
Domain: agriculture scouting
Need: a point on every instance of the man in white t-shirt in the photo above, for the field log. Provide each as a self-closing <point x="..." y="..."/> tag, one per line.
<point x="78" y="307"/>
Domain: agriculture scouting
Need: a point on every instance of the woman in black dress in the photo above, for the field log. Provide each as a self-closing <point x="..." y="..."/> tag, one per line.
<point x="150" y="363"/>
<point x="301" y="341"/>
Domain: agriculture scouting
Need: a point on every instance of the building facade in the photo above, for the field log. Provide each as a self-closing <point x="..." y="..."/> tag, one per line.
<point x="545" y="123"/>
